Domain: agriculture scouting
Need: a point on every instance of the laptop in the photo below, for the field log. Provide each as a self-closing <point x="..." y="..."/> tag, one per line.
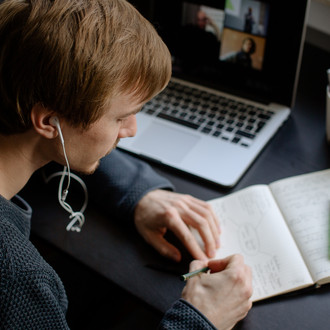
<point x="235" y="73"/>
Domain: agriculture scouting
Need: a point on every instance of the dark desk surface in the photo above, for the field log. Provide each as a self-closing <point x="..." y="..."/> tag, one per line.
<point x="121" y="256"/>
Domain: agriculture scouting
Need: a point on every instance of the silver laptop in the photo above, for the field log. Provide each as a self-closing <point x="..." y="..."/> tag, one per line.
<point x="235" y="73"/>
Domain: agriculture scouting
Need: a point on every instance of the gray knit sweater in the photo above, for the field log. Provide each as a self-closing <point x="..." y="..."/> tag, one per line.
<point x="32" y="295"/>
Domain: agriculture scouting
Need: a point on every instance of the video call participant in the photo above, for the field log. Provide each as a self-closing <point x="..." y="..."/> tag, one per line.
<point x="197" y="46"/>
<point x="243" y="56"/>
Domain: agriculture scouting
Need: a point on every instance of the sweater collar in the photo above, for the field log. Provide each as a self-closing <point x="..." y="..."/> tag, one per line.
<point x="18" y="212"/>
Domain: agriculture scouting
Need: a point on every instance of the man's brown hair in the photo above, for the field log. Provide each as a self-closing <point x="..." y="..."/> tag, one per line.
<point x="73" y="56"/>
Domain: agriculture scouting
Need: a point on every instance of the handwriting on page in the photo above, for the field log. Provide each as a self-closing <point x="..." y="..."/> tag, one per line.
<point x="252" y="226"/>
<point x="305" y="204"/>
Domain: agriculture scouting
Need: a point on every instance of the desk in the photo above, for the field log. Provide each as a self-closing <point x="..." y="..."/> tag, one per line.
<point x="121" y="256"/>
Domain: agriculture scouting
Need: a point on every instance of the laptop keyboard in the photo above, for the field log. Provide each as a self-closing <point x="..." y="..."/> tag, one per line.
<point x="217" y="116"/>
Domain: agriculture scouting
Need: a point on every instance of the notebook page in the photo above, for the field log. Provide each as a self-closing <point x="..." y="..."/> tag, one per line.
<point x="252" y="225"/>
<point x="304" y="200"/>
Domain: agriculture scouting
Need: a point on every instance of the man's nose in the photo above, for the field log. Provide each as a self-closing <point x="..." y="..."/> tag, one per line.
<point x="129" y="128"/>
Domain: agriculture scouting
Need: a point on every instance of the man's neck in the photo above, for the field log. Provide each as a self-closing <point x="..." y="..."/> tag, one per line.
<point x="19" y="159"/>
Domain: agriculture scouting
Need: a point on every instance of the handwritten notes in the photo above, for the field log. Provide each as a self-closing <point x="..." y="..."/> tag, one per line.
<point x="304" y="202"/>
<point x="252" y="225"/>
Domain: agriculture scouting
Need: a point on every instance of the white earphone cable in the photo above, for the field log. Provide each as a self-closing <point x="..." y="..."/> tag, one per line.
<point x="78" y="218"/>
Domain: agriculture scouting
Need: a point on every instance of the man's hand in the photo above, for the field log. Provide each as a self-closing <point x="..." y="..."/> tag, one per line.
<point x="161" y="210"/>
<point x="224" y="295"/>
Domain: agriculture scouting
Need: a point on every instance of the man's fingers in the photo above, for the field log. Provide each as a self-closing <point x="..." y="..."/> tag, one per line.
<point x="218" y="265"/>
<point x="180" y="229"/>
<point x="163" y="247"/>
<point x="209" y="209"/>
<point x="206" y="211"/>
<point x="203" y="227"/>
<point x="197" y="264"/>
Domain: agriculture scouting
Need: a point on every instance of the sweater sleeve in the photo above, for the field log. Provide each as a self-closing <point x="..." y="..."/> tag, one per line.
<point x="30" y="301"/>
<point x="120" y="182"/>
<point x="182" y="316"/>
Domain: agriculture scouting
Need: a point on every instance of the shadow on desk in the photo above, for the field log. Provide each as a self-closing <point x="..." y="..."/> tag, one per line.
<point x="94" y="302"/>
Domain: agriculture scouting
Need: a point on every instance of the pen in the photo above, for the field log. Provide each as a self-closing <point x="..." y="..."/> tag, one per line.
<point x="185" y="277"/>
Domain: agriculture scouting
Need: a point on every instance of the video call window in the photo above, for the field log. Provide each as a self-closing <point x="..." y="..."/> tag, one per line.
<point x="244" y="34"/>
<point x="235" y="33"/>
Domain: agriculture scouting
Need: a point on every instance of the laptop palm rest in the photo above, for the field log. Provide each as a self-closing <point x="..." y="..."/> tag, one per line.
<point x="162" y="142"/>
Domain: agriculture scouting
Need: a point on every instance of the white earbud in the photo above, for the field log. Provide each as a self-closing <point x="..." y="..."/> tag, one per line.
<point x="55" y="121"/>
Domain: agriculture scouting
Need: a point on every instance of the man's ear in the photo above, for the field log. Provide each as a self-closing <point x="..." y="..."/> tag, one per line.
<point x="40" y="117"/>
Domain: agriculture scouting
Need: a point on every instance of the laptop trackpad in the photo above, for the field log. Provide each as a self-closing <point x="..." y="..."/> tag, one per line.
<point x="164" y="142"/>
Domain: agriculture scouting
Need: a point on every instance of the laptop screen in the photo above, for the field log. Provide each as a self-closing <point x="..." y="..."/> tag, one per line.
<point x="244" y="47"/>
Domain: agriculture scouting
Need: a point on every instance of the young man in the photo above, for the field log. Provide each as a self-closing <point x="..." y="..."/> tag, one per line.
<point x="73" y="74"/>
